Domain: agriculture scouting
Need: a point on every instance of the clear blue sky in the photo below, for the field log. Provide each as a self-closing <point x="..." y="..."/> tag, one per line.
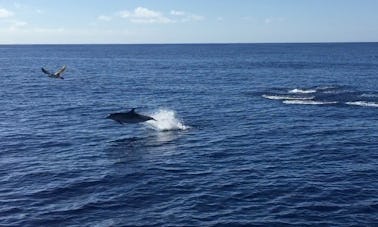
<point x="187" y="21"/>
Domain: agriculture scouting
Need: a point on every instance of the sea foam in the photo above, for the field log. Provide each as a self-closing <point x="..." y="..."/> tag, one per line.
<point x="302" y="91"/>
<point x="280" y="97"/>
<point x="307" y="102"/>
<point x="362" y="103"/>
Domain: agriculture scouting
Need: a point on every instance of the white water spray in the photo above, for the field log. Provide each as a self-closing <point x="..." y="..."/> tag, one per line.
<point x="302" y="91"/>
<point x="166" y="120"/>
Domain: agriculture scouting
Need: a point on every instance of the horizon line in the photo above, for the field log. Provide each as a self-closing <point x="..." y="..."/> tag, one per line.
<point x="191" y="43"/>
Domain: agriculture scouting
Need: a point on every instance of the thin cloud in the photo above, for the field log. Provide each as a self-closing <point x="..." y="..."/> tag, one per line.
<point x="48" y="30"/>
<point x="148" y="16"/>
<point x="4" y="13"/>
<point x="104" y="18"/>
<point x="39" y="11"/>
<point x="178" y="13"/>
<point x="18" y="5"/>
<point x="271" y="20"/>
<point x="185" y="16"/>
<point x="17" y="25"/>
<point x="145" y="16"/>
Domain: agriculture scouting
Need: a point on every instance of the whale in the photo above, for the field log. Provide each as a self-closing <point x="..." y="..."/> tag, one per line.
<point x="57" y="74"/>
<point x="130" y="117"/>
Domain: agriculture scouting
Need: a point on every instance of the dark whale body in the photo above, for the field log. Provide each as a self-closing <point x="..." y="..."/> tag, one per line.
<point x="130" y="117"/>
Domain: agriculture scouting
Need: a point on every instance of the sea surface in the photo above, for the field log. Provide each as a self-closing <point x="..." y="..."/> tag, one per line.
<point x="245" y="134"/>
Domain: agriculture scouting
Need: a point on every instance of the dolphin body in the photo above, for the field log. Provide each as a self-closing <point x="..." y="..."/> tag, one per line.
<point x="129" y="117"/>
<point x="57" y="74"/>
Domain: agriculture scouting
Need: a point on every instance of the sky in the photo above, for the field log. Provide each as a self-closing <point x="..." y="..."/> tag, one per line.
<point x="187" y="21"/>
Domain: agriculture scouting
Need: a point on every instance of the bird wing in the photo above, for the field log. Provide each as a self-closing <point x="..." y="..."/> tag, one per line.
<point x="60" y="71"/>
<point x="45" y="71"/>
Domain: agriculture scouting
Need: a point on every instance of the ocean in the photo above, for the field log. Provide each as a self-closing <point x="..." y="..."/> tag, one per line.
<point x="245" y="134"/>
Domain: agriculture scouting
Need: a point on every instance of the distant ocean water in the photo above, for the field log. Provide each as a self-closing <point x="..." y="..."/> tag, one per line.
<point x="246" y="134"/>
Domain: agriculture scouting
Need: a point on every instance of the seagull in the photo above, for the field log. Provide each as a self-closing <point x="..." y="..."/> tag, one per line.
<point x="57" y="74"/>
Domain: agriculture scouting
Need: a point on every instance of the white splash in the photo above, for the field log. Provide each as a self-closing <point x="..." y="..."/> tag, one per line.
<point x="301" y="91"/>
<point x="362" y="103"/>
<point x="166" y="120"/>
<point x="307" y="102"/>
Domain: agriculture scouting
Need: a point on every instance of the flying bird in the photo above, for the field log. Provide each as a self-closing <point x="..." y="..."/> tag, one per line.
<point x="57" y="74"/>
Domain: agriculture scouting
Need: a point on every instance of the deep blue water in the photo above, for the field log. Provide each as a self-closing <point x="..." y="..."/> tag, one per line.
<point x="246" y="134"/>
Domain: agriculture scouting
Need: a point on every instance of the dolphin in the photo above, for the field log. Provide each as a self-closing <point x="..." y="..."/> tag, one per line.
<point x="129" y="117"/>
<point x="57" y="74"/>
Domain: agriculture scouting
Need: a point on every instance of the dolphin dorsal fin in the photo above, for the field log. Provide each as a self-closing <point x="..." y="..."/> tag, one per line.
<point x="132" y="110"/>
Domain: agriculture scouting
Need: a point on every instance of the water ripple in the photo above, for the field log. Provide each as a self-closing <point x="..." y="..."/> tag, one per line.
<point x="238" y="154"/>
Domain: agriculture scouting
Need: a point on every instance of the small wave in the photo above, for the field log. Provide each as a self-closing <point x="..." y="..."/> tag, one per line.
<point x="307" y="102"/>
<point x="302" y="91"/>
<point x="363" y="103"/>
<point x="166" y="120"/>
<point x="328" y="87"/>
<point x="281" y="97"/>
<point x="369" y="95"/>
